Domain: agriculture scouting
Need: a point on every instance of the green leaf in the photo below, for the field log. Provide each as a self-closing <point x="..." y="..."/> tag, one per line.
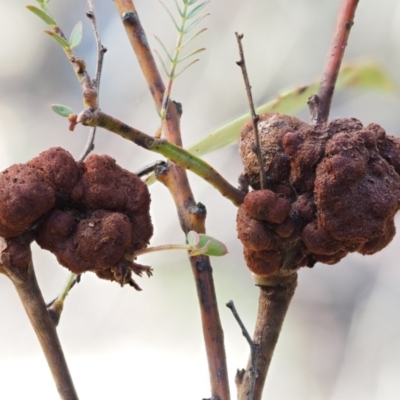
<point x="194" y="36"/>
<point x="43" y="6"/>
<point x="179" y="9"/>
<point x="205" y="244"/>
<point x="367" y="76"/>
<point x="213" y="247"/>
<point x="76" y="35"/>
<point x="42" y="15"/>
<point x="196" y="10"/>
<point x="191" y="54"/>
<point x="363" y="76"/>
<point x="199" y="251"/>
<point x="170" y="14"/>
<point x="162" y="63"/>
<point x="194" y="23"/>
<point x="62" y="110"/>
<point x="192" y="238"/>
<point x="185" y="68"/>
<point x="163" y="47"/>
<point x="60" y="40"/>
<point x="189" y="2"/>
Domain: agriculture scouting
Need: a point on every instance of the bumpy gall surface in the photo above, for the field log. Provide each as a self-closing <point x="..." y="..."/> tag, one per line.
<point x="25" y="195"/>
<point x="92" y="215"/>
<point x="330" y="190"/>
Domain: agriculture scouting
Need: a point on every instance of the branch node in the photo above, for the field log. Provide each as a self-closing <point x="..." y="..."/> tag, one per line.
<point x="129" y="18"/>
<point x="101" y="50"/>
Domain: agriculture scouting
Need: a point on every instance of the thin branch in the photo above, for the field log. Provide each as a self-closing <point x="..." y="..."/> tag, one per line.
<point x="22" y="275"/>
<point x="101" y="50"/>
<point x="174" y="153"/>
<point x="90" y="94"/>
<point x="162" y="247"/>
<point x="254" y="116"/>
<point x="148" y="169"/>
<point x="55" y="307"/>
<point x="253" y="350"/>
<point x="89" y="87"/>
<point x="344" y="22"/>
<point x="275" y="296"/>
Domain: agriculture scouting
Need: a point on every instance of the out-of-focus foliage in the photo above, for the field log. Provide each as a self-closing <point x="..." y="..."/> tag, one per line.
<point x="361" y="76"/>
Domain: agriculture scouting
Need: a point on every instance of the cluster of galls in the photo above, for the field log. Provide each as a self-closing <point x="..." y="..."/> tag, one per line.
<point x="330" y="189"/>
<point x="92" y="215"/>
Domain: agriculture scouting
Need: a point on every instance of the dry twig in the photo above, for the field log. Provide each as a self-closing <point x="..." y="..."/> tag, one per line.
<point x="320" y="105"/>
<point x="254" y="116"/>
<point x="253" y="351"/>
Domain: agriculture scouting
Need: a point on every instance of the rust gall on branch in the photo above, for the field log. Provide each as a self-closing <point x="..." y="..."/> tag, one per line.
<point x="332" y="189"/>
<point x="91" y="214"/>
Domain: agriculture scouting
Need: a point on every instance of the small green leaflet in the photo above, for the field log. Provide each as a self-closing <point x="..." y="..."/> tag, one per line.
<point x="43" y="6"/>
<point x="60" y="40"/>
<point x="196" y="10"/>
<point x="42" y="3"/>
<point x="62" y="110"/>
<point x="76" y="35"/>
<point x="204" y="244"/>
<point x="42" y="15"/>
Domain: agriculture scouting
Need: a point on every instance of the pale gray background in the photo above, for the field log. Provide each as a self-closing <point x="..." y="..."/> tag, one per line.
<point x="341" y="338"/>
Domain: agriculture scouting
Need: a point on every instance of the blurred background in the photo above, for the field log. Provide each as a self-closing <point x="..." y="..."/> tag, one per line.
<point x="341" y="338"/>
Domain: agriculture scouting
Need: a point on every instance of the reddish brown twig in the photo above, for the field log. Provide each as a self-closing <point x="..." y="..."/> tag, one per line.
<point x="188" y="211"/>
<point x="139" y="43"/>
<point x="275" y="296"/>
<point x="320" y="106"/>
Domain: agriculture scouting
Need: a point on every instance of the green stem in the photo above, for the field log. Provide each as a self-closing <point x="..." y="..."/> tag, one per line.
<point x="57" y="306"/>
<point x="67" y="287"/>
<point x="159" y="248"/>
<point x="174" y="63"/>
<point x="174" y="153"/>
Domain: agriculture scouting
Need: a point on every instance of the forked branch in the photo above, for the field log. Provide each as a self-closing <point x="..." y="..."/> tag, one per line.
<point x="101" y="50"/>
